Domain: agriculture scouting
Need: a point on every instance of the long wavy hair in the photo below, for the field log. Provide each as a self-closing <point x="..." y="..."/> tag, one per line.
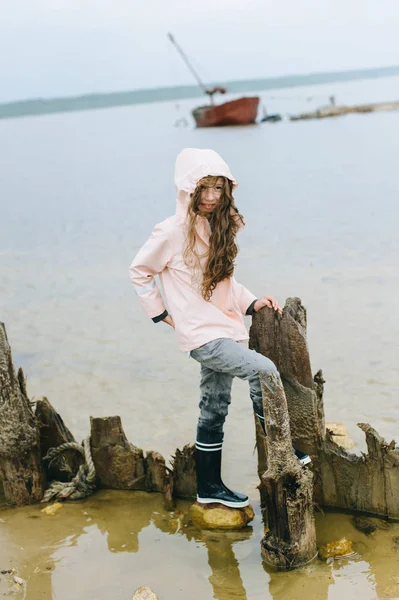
<point x="225" y="221"/>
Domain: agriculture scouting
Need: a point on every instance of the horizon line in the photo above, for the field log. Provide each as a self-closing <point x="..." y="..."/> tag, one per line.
<point x="189" y="86"/>
<point x="102" y="100"/>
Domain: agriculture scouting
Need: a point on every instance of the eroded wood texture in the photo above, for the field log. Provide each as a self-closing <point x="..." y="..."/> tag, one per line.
<point x="156" y="472"/>
<point x="342" y="479"/>
<point x="20" y="464"/>
<point x="54" y="433"/>
<point x="367" y="483"/>
<point x="286" y="486"/>
<point x="184" y="477"/>
<point x="119" y="464"/>
<point x="283" y="340"/>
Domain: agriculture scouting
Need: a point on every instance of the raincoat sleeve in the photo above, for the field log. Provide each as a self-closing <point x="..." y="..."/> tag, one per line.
<point x="244" y="297"/>
<point x="151" y="259"/>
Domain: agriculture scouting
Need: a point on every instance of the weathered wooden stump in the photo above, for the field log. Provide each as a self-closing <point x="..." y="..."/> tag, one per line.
<point x="119" y="464"/>
<point x="122" y="466"/>
<point x="157" y="477"/>
<point x="367" y="483"/>
<point x="54" y="433"/>
<point x="20" y="463"/>
<point x="287" y="487"/>
<point x="283" y="340"/>
<point x="184" y="476"/>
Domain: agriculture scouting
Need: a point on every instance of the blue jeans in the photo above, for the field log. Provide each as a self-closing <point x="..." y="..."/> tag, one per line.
<point x="221" y="360"/>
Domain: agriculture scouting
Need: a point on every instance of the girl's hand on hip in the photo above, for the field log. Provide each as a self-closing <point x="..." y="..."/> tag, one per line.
<point x="168" y="319"/>
<point x="268" y="301"/>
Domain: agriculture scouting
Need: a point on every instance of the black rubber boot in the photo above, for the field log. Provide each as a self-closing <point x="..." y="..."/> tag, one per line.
<point x="303" y="458"/>
<point x="261" y="420"/>
<point x="208" y="460"/>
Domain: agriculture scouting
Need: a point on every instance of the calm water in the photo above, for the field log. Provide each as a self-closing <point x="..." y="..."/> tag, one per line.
<point x="111" y="544"/>
<point x="81" y="192"/>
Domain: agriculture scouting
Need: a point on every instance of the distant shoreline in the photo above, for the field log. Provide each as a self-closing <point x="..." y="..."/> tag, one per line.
<point x="41" y="106"/>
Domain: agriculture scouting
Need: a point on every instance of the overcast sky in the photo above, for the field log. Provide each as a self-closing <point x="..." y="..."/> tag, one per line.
<point x="67" y="47"/>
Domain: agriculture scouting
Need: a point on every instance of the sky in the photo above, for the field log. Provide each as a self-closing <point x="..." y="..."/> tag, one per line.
<point x="54" y="48"/>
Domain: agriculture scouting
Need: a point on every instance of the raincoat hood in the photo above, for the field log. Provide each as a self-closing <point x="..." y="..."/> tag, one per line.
<point x="192" y="164"/>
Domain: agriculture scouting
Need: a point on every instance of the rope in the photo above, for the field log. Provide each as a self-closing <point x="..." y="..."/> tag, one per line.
<point x="52" y="453"/>
<point x="84" y="482"/>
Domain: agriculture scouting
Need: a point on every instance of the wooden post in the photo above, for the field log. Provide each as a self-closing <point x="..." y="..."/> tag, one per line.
<point x="367" y="482"/>
<point x="287" y="487"/>
<point x="53" y="433"/>
<point x="283" y="340"/>
<point x="20" y="464"/>
<point x="119" y="464"/>
<point x="184" y="477"/>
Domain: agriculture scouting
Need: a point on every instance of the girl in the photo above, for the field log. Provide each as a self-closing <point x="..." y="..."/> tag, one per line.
<point x="193" y="253"/>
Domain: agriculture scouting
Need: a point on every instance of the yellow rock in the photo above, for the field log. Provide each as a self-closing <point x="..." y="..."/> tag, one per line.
<point x="52" y="509"/>
<point x="342" y="547"/>
<point x="144" y="593"/>
<point x="341" y="435"/>
<point x="218" y="516"/>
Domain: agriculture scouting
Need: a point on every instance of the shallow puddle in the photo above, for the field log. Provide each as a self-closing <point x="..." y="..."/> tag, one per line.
<point x="112" y="543"/>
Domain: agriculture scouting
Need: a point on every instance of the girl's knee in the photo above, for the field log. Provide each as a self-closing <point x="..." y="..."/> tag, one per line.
<point x="268" y="367"/>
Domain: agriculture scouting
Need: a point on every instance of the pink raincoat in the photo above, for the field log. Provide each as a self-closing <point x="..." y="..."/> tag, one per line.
<point x="197" y="321"/>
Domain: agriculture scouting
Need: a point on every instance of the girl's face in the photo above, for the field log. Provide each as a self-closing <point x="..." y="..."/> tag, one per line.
<point x="210" y="196"/>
